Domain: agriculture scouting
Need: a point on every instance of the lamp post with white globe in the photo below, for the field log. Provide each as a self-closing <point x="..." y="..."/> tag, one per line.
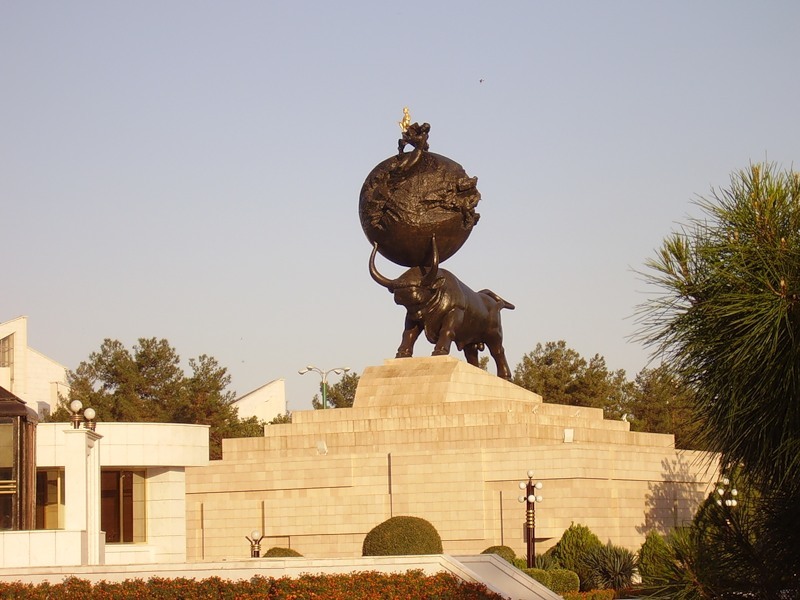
<point x="530" y="498"/>
<point x="76" y="418"/>
<point x="726" y="492"/>
<point x="255" y="538"/>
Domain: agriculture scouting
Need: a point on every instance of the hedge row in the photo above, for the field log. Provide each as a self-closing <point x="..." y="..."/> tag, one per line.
<point x="364" y="586"/>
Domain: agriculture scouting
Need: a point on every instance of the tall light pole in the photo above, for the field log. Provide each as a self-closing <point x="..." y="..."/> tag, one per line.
<point x="530" y="498"/>
<point x="324" y="375"/>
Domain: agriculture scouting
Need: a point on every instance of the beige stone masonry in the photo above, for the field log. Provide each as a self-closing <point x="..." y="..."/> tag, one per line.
<point x="440" y="439"/>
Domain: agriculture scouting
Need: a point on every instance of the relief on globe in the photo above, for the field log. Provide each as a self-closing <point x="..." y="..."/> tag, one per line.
<point x="409" y="198"/>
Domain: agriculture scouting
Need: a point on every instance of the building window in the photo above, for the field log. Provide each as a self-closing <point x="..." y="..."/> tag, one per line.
<point x="7" y="356"/>
<point x="8" y="482"/>
<point x="122" y="504"/>
<point x="50" y="499"/>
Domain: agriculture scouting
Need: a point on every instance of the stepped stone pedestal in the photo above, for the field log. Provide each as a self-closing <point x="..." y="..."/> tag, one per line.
<point x="437" y="438"/>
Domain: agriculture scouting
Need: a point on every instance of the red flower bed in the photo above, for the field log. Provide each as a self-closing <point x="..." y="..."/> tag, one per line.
<point x="368" y="585"/>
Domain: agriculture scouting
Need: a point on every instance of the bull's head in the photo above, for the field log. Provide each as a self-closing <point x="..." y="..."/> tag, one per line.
<point x="413" y="288"/>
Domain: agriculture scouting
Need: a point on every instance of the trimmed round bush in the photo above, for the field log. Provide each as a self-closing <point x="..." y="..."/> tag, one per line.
<point x="563" y="581"/>
<point x="502" y="551"/>
<point x="277" y="552"/>
<point x="539" y="575"/>
<point x="400" y="536"/>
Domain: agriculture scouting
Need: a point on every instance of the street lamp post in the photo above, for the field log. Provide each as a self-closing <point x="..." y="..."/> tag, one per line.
<point x="324" y="375"/>
<point x="530" y="498"/>
<point x="255" y="543"/>
<point x="726" y="492"/>
<point x="76" y="417"/>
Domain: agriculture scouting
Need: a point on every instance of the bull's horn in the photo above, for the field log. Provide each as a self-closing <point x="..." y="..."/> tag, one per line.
<point x="430" y="276"/>
<point x="373" y="270"/>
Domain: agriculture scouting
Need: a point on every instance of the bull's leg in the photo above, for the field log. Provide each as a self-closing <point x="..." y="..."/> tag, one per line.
<point x="447" y="333"/>
<point x="471" y="354"/>
<point x="499" y="355"/>
<point x="410" y="335"/>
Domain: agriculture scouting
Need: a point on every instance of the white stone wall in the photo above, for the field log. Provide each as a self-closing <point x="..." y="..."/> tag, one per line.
<point x="163" y="451"/>
<point x="36" y="378"/>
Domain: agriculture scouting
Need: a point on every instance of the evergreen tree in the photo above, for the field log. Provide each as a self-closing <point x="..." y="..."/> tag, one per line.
<point x="728" y="319"/>
<point x="148" y="384"/>
<point x="562" y="376"/>
<point x="339" y="395"/>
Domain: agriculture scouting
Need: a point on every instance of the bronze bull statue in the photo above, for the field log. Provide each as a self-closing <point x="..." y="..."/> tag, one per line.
<point x="438" y="303"/>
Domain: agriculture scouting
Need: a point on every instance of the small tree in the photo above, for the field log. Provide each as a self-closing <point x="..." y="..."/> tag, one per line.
<point x="339" y="395"/>
<point x="572" y="549"/>
<point x="652" y="556"/>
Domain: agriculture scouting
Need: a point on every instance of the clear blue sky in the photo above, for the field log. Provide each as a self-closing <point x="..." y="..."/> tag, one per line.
<point x="191" y="170"/>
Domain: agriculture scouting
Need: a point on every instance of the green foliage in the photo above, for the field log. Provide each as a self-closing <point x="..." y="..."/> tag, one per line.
<point x="653" y="553"/>
<point x="148" y="384"/>
<point x="503" y="552"/>
<point x="563" y="581"/>
<point x="344" y="586"/>
<point x="727" y="319"/>
<point x="562" y="376"/>
<point x="401" y="536"/>
<point x="573" y="547"/>
<point x="539" y="575"/>
<point x="281" y="419"/>
<point x="339" y="395"/>
<point x="277" y="552"/>
<point x="547" y="561"/>
<point x="661" y="402"/>
<point x="590" y="595"/>
<point x="611" y="567"/>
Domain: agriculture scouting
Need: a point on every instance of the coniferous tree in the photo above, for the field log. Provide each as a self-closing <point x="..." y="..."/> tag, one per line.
<point x="728" y="319"/>
<point x="148" y="384"/>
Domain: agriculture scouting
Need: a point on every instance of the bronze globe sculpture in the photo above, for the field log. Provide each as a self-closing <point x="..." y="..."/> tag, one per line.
<point x="410" y="197"/>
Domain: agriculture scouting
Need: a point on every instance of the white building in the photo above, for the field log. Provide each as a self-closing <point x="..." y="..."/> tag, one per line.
<point x="116" y="495"/>
<point x="265" y="402"/>
<point x="27" y="373"/>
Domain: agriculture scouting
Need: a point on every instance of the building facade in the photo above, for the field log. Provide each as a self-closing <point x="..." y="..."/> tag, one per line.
<point x="27" y="373"/>
<point x="440" y="439"/>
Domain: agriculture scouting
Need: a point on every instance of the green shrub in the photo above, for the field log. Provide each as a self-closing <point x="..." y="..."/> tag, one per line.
<point x="520" y="563"/>
<point x="401" y="536"/>
<point x="277" y="552"/>
<point x="539" y="575"/>
<point x="652" y="554"/>
<point x="572" y="549"/>
<point x="412" y="584"/>
<point x="590" y="595"/>
<point x="611" y="567"/>
<point x="547" y="561"/>
<point x="563" y="581"/>
<point x="502" y="551"/>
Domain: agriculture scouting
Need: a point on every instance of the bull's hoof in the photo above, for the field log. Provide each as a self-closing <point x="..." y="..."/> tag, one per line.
<point x="403" y="354"/>
<point x="440" y="353"/>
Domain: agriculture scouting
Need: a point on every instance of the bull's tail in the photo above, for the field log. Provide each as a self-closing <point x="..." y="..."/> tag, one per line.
<point x="503" y="303"/>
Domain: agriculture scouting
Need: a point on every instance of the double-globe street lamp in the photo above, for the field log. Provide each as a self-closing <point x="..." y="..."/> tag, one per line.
<point x="530" y="498"/>
<point x="324" y="375"/>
